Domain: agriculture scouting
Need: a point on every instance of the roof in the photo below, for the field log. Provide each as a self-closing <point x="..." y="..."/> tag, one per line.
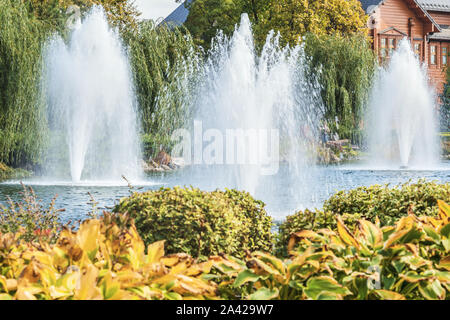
<point x="368" y="5"/>
<point x="179" y="15"/>
<point x="435" y="5"/>
<point x="443" y="35"/>
<point x="432" y="5"/>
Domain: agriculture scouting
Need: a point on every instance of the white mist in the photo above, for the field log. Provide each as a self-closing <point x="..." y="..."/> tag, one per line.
<point x="91" y="101"/>
<point x="402" y="129"/>
<point x="243" y="89"/>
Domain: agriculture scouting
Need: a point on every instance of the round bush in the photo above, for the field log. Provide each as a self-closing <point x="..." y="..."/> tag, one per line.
<point x="200" y="223"/>
<point x="382" y="203"/>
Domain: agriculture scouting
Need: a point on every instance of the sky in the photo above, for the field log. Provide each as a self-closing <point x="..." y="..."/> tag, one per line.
<point x="154" y="9"/>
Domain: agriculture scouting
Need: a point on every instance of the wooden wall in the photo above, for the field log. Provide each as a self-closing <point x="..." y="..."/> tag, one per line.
<point x="441" y="17"/>
<point x="397" y="13"/>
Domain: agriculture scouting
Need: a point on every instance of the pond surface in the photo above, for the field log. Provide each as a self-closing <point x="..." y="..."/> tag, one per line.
<point x="281" y="195"/>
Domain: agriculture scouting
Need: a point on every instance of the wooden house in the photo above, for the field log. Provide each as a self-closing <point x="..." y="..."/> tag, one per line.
<point x="426" y="23"/>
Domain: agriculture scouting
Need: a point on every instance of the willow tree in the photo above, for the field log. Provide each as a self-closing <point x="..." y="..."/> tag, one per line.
<point x="121" y="13"/>
<point x="164" y="62"/>
<point x="346" y="65"/>
<point x="445" y="107"/>
<point x="22" y="112"/>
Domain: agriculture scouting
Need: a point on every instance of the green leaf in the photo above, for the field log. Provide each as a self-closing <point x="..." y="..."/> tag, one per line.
<point x="264" y="294"/>
<point x="389" y="295"/>
<point x="432" y="291"/>
<point x="315" y="286"/>
<point x="445" y="231"/>
<point x="244" y="277"/>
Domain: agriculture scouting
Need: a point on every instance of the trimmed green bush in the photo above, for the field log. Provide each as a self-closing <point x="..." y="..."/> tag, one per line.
<point x="378" y="202"/>
<point x="389" y="204"/>
<point x="200" y="223"/>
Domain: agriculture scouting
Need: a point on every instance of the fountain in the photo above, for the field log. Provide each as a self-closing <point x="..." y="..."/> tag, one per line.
<point x="267" y="94"/>
<point x="402" y="123"/>
<point x="91" y="103"/>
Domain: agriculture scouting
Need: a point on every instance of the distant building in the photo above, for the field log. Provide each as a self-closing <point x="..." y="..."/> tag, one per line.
<point x="425" y="22"/>
<point x="179" y="15"/>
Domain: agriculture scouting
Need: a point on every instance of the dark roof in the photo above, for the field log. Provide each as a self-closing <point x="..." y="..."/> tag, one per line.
<point x="178" y="16"/>
<point x="435" y="5"/>
<point x="443" y="35"/>
<point x="367" y="4"/>
<point x="432" y="5"/>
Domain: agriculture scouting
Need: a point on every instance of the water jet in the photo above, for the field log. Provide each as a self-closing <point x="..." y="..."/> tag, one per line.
<point x="91" y="103"/>
<point x="402" y="127"/>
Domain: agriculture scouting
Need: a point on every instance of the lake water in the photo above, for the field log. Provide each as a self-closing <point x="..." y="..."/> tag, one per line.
<point x="281" y="196"/>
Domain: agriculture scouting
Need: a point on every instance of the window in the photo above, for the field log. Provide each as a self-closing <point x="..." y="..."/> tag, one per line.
<point x="383" y="48"/>
<point x="391" y="46"/>
<point x="444" y="56"/>
<point x="417" y="49"/>
<point x="433" y="55"/>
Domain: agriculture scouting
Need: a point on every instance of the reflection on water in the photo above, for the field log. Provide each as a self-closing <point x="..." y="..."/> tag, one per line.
<point x="280" y="200"/>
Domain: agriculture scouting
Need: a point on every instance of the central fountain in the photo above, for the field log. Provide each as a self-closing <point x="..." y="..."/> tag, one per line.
<point x="402" y="127"/>
<point x="91" y="103"/>
<point x="269" y="91"/>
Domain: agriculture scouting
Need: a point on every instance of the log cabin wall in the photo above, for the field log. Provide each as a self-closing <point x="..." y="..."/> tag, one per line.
<point x="442" y="18"/>
<point x="392" y="20"/>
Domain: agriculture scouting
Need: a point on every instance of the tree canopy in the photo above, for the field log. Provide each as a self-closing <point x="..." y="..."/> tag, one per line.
<point x="292" y="18"/>
<point x="121" y="13"/>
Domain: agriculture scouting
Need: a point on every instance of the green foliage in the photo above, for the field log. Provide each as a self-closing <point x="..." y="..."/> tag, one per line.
<point x="407" y="261"/>
<point x="22" y="111"/>
<point x="7" y="173"/>
<point x="164" y="63"/>
<point x="445" y="107"/>
<point x="24" y="28"/>
<point x="200" y="223"/>
<point x="347" y="65"/>
<point x="100" y="261"/>
<point x="30" y="218"/>
<point x="292" y="18"/>
<point x="376" y="203"/>
<point x="206" y="17"/>
<point x="389" y="204"/>
<point x="121" y="13"/>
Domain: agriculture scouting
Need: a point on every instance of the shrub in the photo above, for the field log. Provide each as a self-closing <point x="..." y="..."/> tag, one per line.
<point x="30" y="218"/>
<point x="407" y="261"/>
<point x="99" y="261"/>
<point x="389" y="204"/>
<point x="308" y="220"/>
<point x="7" y="173"/>
<point x="386" y="204"/>
<point x="200" y="223"/>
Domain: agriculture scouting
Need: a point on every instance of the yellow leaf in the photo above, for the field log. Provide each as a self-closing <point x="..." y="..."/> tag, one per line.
<point x="372" y="234"/>
<point x="300" y="235"/>
<point x="155" y="252"/>
<point x="89" y="235"/>
<point x="444" y="210"/>
<point x="88" y="284"/>
<point x="345" y="234"/>
<point x="445" y="263"/>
